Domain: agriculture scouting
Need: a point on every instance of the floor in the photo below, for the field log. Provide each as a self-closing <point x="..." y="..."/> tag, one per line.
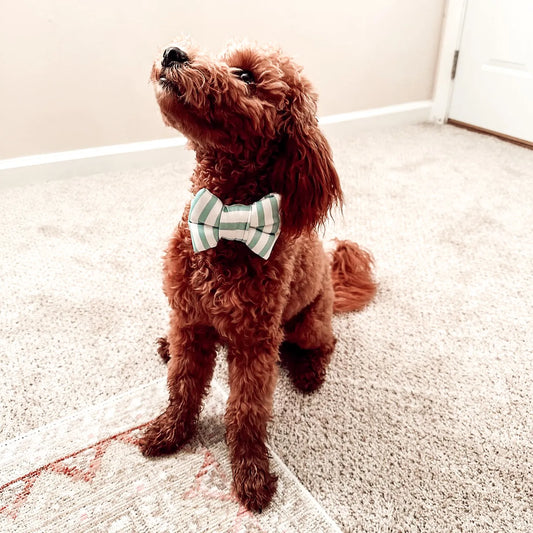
<point x="424" y="422"/>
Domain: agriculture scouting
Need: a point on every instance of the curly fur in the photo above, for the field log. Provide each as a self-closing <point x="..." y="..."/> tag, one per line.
<point x="251" y="140"/>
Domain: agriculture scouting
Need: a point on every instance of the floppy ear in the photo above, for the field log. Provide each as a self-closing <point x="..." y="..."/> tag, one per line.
<point x="304" y="174"/>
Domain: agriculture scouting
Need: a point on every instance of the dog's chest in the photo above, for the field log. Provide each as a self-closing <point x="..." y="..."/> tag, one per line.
<point x="222" y="286"/>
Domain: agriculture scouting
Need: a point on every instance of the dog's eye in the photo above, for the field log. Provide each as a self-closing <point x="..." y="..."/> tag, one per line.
<point x="245" y="75"/>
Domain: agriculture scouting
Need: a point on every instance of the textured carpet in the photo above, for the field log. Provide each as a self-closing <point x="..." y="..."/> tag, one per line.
<point x="424" y="422"/>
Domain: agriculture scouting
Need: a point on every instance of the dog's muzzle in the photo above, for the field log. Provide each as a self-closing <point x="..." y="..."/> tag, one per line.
<point x="174" y="56"/>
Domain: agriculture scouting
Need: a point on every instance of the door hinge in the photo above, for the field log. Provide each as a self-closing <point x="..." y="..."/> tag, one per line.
<point x="454" y="67"/>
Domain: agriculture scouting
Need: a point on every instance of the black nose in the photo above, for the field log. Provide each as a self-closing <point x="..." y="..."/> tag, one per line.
<point x="173" y="55"/>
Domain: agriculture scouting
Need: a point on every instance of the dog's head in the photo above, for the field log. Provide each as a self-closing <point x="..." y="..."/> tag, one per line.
<point x="253" y="102"/>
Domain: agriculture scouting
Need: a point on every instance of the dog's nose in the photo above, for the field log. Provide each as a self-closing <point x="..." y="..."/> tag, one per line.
<point x="173" y="55"/>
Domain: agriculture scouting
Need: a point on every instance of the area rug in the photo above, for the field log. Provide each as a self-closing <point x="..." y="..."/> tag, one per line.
<point x="86" y="473"/>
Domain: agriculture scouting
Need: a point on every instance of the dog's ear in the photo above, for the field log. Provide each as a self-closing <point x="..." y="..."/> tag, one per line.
<point x="304" y="174"/>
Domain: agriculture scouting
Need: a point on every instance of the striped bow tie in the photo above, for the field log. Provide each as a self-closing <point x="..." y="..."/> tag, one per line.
<point x="257" y="225"/>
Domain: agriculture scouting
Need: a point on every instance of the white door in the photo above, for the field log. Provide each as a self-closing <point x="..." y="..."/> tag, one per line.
<point x="493" y="87"/>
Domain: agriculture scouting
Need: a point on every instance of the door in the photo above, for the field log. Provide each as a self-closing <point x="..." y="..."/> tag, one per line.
<point x="493" y="88"/>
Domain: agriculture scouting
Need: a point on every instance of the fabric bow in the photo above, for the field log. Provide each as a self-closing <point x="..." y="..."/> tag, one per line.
<point x="257" y="225"/>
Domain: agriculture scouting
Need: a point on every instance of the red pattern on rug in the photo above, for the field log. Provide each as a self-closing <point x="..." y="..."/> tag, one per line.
<point x="63" y="466"/>
<point x="210" y="482"/>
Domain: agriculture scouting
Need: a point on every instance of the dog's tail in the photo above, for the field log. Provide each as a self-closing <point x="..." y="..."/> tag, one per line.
<point x="351" y="273"/>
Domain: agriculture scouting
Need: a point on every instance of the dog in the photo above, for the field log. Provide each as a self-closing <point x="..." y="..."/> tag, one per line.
<point x="245" y="267"/>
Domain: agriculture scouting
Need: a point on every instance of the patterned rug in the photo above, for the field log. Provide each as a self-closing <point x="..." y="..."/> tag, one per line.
<point x="86" y="473"/>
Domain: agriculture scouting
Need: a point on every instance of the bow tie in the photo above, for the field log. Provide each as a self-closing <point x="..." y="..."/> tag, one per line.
<point x="257" y="225"/>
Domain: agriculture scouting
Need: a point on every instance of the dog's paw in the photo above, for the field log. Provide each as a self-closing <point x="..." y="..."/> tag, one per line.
<point x="308" y="379"/>
<point x="306" y="368"/>
<point x="163" y="349"/>
<point x="254" y="486"/>
<point x="163" y="436"/>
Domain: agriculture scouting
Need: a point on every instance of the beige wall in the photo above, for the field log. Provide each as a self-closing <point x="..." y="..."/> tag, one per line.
<point x="74" y="74"/>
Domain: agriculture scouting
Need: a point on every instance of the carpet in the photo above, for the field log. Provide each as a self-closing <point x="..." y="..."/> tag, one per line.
<point x="424" y="422"/>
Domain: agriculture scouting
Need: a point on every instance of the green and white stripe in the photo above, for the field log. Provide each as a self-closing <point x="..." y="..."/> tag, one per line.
<point x="257" y="225"/>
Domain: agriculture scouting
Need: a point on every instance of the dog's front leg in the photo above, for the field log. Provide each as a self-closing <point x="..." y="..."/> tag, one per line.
<point x="252" y="377"/>
<point x="192" y="353"/>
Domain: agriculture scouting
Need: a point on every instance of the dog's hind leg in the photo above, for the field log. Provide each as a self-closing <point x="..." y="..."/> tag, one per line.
<point x="309" y="343"/>
<point x="190" y="369"/>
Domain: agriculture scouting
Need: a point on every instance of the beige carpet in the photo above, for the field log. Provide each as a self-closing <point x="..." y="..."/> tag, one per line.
<point x="425" y="421"/>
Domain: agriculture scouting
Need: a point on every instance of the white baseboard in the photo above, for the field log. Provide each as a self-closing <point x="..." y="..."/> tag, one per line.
<point x="58" y="165"/>
<point x="43" y="167"/>
<point x="377" y="118"/>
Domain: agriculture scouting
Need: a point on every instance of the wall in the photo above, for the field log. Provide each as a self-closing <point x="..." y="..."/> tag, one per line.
<point x="74" y="74"/>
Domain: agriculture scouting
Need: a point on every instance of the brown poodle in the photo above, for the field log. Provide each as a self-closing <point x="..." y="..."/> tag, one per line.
<point x="250" y="116"/>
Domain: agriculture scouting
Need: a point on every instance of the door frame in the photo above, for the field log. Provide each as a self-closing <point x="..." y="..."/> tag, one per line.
<point x="452" y="31"/>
